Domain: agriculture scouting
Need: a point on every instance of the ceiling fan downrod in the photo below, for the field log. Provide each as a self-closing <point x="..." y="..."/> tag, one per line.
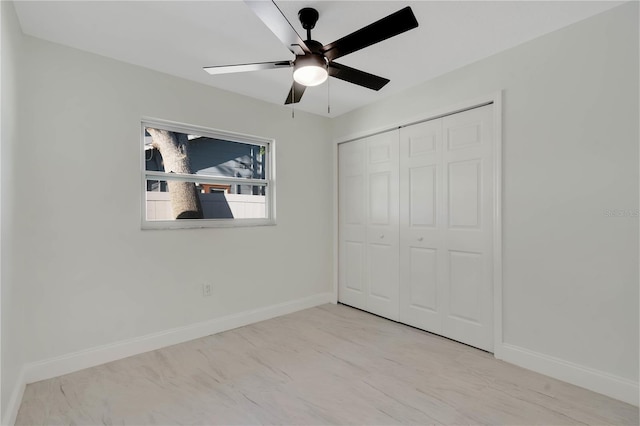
<point x="308" y="17"/>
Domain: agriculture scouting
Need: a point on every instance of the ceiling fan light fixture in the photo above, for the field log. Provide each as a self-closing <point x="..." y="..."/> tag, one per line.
<point x="314" y="62"/>
<point x="310" y="70"/>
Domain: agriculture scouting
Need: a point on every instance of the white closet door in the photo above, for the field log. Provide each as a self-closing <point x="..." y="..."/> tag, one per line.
<point x="468" y="211"/>
<point x="446" y="226"/>
<point x="368" y="224"/>
<point x="416" y="225"/>
<point x="382" y="224"/>
<point x="352" y="224"/>
<point x="422" y="236"/>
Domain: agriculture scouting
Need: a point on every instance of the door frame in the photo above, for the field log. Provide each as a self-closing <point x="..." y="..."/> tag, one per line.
<point x="493" y="98"/>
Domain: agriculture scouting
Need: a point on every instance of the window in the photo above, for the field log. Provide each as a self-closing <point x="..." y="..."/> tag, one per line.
<point x="195" y="177"/>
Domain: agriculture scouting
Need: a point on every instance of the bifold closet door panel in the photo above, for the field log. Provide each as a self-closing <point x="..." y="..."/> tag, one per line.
<point x="416" y="225"/>
<point x="467" y="277"/>
<point x="446" y="226"/>
<point x="422" y="242"/>
<point x="352" y="286"/>
<point x="382" y="202"/>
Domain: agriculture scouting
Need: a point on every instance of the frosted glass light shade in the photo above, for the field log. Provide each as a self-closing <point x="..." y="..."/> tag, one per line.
<point x="310" y="70"/>
<point x="310" y="75"/>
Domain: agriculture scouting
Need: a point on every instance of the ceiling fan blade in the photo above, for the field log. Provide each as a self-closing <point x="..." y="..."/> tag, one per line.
<point x="274" y="19"/>
<point x="355" y="76"/>
<point x="295" y="93"/>
<point x="392" y="25"/>
<point x="227" y="69"/>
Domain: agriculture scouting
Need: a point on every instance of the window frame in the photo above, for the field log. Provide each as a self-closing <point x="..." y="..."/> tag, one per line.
<point x="268" y="182"/>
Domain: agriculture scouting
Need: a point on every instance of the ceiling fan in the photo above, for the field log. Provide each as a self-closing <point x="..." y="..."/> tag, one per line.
<point x="314" y="62"/>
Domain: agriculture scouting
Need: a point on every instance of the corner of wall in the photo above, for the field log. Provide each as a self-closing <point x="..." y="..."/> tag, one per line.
<point x="10" y="413"/>
<point x="54" y="367"/>
<point x="11" y="370"/>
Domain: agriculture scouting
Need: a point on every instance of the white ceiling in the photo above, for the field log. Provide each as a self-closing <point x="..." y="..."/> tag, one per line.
<point x="180" y="37"/>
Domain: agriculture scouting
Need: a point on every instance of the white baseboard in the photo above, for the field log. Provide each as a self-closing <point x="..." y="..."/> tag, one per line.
<point x="598" y="381"/>
<point x="54" y="367"/>
<point x="9" y="418"/>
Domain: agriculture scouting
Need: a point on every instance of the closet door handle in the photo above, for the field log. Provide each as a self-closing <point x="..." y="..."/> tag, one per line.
<point x="381" y="236"/>
<point x="420" y="239"/>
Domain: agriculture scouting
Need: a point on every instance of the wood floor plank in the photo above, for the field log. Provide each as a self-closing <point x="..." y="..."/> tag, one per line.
<point x="325" y="365"/>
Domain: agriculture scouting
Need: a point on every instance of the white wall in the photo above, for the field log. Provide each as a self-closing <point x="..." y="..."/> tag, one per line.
<point x="11" y="302"/>
<point x="570" y="135"/>
<point x="90" y="275"/>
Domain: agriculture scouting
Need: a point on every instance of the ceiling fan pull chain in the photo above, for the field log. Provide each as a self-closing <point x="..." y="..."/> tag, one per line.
<point x="293" y="96"/>
<point x="328" y="96"/>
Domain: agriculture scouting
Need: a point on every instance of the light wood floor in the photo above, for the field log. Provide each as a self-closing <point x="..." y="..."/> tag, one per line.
<point x="326" y="365"/>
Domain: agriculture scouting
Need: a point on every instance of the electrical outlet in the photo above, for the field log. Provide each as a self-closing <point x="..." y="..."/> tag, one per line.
<point x="207" y="289"/>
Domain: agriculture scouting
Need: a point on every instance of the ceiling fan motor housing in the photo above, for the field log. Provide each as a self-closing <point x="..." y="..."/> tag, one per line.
<point x="314" y="46"/>
<point x="309" y="60"/>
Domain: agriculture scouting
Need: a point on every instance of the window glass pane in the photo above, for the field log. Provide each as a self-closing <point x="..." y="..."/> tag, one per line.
<point x="197" y="173"/>
<point x="192" y="154"/>
<point x="196" y="200"/>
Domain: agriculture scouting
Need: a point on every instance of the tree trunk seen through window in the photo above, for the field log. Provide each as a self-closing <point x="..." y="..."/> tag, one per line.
<point x="174" y="148"/>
